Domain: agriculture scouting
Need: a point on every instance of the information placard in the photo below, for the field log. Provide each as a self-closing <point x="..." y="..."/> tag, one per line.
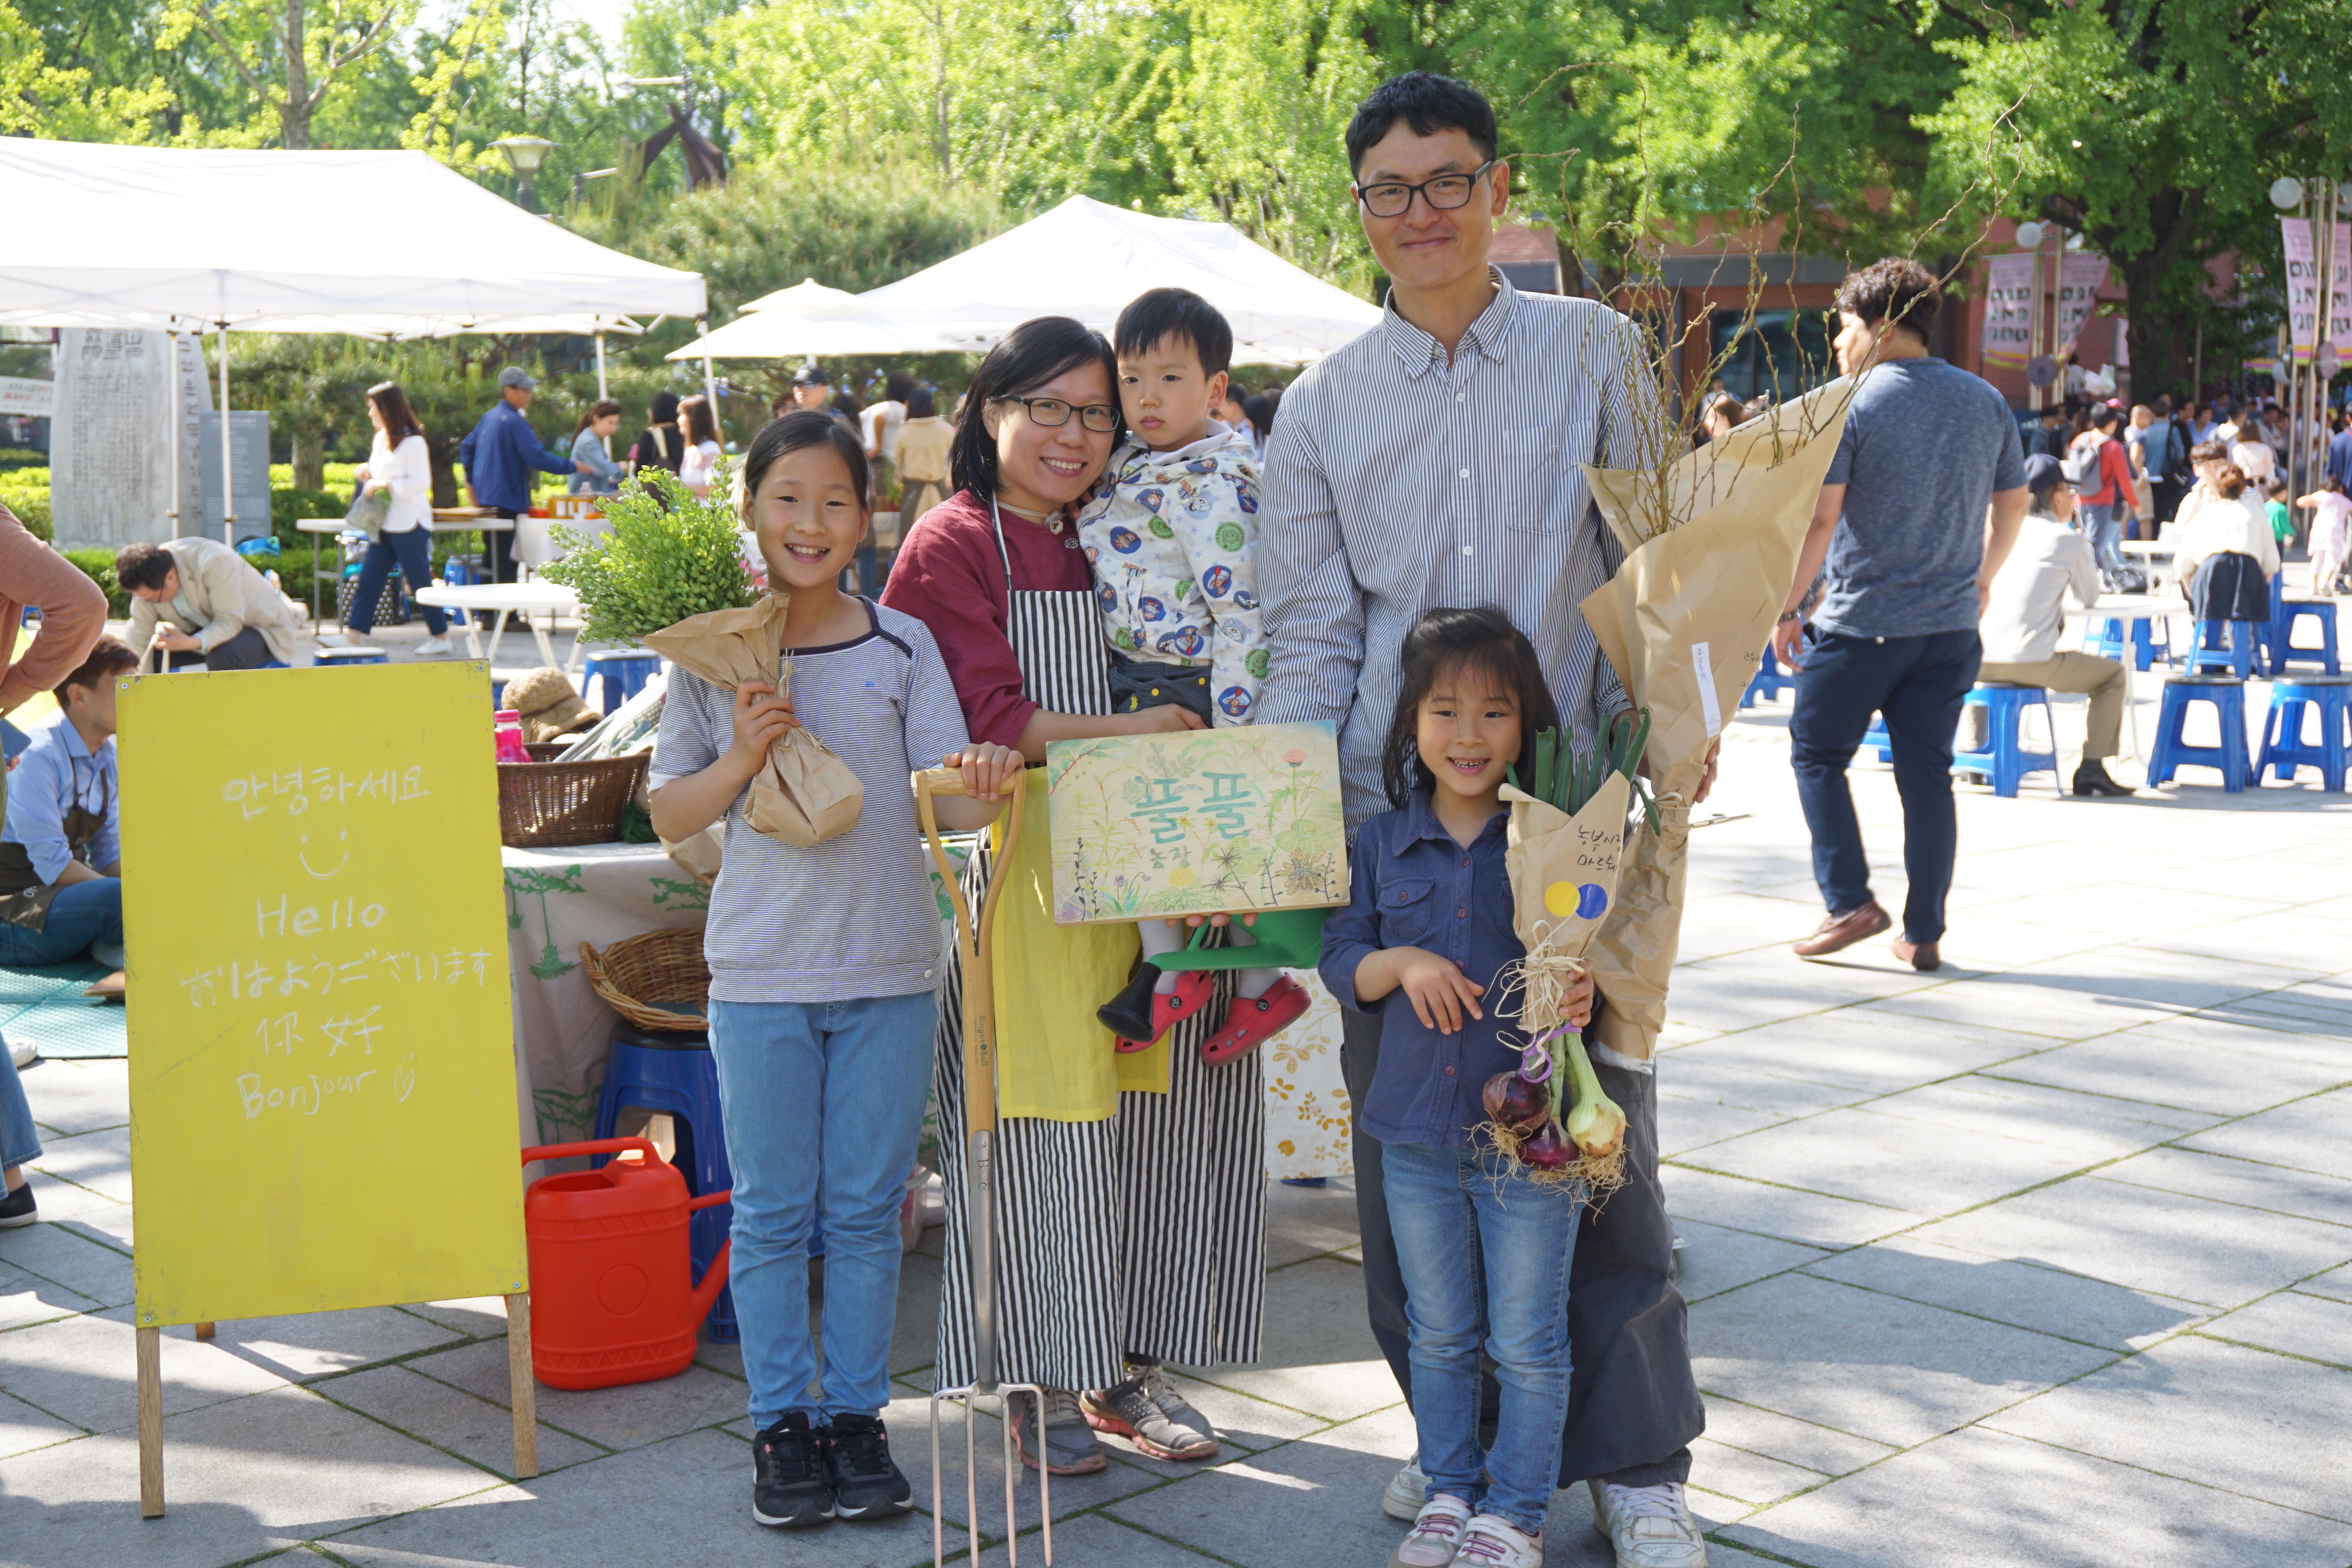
<point x="322" y="1081"/>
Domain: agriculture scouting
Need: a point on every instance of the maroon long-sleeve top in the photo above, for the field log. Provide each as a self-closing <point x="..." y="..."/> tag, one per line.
<point x="949" y="576"/>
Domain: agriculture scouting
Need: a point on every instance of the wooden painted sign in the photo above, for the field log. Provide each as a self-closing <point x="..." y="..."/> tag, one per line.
<point x="322" y="1080"/>
<point x="1196" y="823"/>
<point x="323" y="1071"/>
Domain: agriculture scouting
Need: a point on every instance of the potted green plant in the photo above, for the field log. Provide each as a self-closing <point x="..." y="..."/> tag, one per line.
<point x="664" y="554"/>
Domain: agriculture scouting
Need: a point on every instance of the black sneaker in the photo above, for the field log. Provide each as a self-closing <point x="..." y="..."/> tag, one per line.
<point x="19" y="1209"/>
<point x="789" y="1484"/>
<point x="866" y="1482"/>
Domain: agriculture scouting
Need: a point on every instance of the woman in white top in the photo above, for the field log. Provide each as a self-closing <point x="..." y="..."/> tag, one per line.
<point x="2253" y="455"/>
<point x="397" y="463"/>
<point x="2223" y="546"/>
<point x="700" y="427"/>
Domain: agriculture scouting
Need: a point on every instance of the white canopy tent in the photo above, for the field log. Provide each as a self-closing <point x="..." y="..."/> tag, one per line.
<point x="811" y="321"/>
<point x="379" y="243"/>
<point x="1087" y="259"/>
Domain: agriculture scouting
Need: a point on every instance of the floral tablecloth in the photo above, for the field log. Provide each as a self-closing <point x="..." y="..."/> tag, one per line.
<point x="556" y="900"/>
<point x="1306" y="1099"/>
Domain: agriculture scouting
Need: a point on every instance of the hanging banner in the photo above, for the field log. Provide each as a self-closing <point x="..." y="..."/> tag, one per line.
<point x="2079" y="277"/>
<point x="2008" y="311"/>
<point x="2339" y="291"/>
<point x="2302" y="285"/>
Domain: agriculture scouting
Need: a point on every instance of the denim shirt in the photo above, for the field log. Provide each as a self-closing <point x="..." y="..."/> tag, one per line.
<point x="1412" y="886"/>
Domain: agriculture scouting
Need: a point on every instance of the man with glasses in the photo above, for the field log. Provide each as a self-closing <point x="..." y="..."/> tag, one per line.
<point x="1433" y="461"/>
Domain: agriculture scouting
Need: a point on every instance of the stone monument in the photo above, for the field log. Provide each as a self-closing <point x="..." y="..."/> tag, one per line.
<point x="112" y="452"/>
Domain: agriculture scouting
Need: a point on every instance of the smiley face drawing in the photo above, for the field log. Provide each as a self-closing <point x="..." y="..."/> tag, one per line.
<point x="303" y="855"/>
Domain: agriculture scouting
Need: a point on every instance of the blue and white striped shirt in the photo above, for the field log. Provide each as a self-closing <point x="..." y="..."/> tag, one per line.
<point x="1397" y="482"/>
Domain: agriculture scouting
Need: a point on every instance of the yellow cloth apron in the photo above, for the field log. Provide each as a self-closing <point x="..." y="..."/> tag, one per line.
<point x="1054" y="1058"/>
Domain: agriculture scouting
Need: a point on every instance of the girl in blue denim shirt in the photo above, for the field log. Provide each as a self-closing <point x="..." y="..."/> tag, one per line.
<point x="1483" y="1249"/>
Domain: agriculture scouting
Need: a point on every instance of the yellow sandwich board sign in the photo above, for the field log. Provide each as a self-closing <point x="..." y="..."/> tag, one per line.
<point x="322" y="1080"/>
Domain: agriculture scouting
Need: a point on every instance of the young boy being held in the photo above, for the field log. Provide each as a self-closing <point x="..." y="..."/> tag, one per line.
<point x="1170" y="536"/>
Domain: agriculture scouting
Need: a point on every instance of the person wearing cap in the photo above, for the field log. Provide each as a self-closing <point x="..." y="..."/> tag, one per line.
<point x="811" y="388"/>
<point x="2026" y="610"/>
<point x="546" y="707"/>
<point x="500" y="453"/>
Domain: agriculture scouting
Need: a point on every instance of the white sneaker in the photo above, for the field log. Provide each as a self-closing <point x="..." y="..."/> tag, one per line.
<point x="1437" y="1534"/>
<point x="1649" y="1527"/>
<point x="1492" y="1541"/>
<point x="432" y="647"/>
<point x="1408" y="1489"/>
<point x="335" y="639"/>
<point x="24" y="1052"/>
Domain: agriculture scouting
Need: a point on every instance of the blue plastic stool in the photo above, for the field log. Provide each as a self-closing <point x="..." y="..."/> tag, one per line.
<point x="2111" y="641"/>
<point x="658" y="1070"/>
<point x="2171" y="754"/>
<point x="1767" y="682"/>
<point x="2004" y="759"/>
<point x="2285" y="751"/>
<point x="2240" y="657"/>
<point x="2282" y="649"/>
<point x="622" y="672"/>
<point x="338" y="657"/>
<point x="1876" y="738"/>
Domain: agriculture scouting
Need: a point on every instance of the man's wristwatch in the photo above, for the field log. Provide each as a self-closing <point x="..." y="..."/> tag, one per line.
<point x="1788" y="615"/>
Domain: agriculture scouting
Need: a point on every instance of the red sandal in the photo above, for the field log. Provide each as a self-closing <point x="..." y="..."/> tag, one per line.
<point x="1253" y="1021"/>
<point x="1170" y="1008"/>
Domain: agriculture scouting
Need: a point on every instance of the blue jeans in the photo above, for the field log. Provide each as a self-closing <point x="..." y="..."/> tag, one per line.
<point x="79" y="915"/>
<point x="20" y="1141"/>
<point x="413" y="550"/>
<point x="1917" y="684"/>
<point x="1485" y="1252"/>
<point x="2103" y="527"/>
<point x="824" y="1104"/>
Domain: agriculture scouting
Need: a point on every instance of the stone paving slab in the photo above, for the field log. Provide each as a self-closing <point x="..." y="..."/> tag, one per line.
<point x="1861" y="1047"/>
<point x="99" y="1162"/>
<point x="2248" y="1421"/>
<point x="2158" y="1067"/>
<point x="450" y="1419"/>
<point x="626" y="1417"/>
<point x="2294" y="1323"/>
<point x="1922" y="1166"/>
<point x="1814" y="1219"/>
<point x="1893" y="1371"/>
<point x="2277" y="1188"/>
<point x="73" y="1260"/>
<point x="71" y="1097"/>
<point x="2022" y="1294"/>
<point x="2098" y="1125"/>
<point x="84" y="1370"/>
<point x="1715" y="1259"/>
<point x="2176" y="1244"/>
<point x="1803" y="1444"/>
<point x="1982" y="1500"/>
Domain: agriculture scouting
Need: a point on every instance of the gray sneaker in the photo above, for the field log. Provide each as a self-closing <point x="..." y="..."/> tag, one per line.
<point x="1648" y="1526"/>
<point x="1070" y="1448"/>
<point x="1408" y="1490"/>
<point x="1149" y="1414"/>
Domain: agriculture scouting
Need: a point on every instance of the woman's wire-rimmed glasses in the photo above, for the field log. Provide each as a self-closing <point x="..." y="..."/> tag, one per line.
<point x="1053" y="413"/>
<point x="1394" y="198"/>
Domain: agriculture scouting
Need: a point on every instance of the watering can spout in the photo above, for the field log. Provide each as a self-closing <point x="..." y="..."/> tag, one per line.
<point x="714" y="1279"/>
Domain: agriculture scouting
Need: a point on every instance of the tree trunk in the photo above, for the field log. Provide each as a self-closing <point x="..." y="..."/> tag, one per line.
<point x="310" y="461"/>
<point x="295" y="117"/>
<point x="2159" y="340"/>
<point x="443" y="453"/>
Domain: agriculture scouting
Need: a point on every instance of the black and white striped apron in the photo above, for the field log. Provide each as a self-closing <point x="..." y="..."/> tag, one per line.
<point x="1141" y="1235"/>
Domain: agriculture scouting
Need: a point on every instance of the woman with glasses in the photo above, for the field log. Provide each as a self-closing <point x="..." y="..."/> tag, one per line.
<point x="1132" y="1195"/>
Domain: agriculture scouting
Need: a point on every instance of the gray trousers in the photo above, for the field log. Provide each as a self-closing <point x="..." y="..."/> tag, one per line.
<point x="1632" y="1405"/>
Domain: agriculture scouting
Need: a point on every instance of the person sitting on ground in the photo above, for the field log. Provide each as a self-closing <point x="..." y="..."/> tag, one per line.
<point x="2225" y="553"/>
<point x="202" y="603"/>
<point x="73" y="615"/>
<point x="62" y="851"/>
<point x="2026" y="612"/>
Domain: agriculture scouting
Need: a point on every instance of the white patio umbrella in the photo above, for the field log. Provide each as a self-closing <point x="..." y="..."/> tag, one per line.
<point x="811" y="321"/>
<point x="1087" y="259"/>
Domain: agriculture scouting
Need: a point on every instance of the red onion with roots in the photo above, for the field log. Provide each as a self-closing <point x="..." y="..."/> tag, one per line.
<point x="1515" y="1104"/>
<point x="1547" y="1151"/>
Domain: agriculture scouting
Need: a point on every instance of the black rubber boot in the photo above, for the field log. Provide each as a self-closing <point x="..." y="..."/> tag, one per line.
<point x="1129" y="1013"/>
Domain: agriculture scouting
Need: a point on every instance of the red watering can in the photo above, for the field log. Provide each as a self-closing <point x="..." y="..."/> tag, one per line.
<point x="613" y="1297"/>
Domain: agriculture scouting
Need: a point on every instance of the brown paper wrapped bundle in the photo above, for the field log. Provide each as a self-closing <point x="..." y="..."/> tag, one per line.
<point x="1712" y="541"/>
<point x="804" y="793"/>
<point x="1563" y="869"/>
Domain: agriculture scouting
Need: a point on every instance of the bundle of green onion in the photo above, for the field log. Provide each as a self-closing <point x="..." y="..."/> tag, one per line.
<point x="1566" y="778"/>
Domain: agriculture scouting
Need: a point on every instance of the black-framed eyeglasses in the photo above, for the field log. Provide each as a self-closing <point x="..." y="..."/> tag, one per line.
<point x="1053" y="413"/>
<point x="1392" y="198"/>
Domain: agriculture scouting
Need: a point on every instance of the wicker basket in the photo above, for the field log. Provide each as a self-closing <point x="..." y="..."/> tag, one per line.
<point x="548" y="805"/>
<point x="547" y="750"/>
<point x="657" y="981"/>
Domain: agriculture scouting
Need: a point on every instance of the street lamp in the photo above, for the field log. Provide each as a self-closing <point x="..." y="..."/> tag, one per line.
<point x="2286" y="193"/>
<point x="524" y="154"/>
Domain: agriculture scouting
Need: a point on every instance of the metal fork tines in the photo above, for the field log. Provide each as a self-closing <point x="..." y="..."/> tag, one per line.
<point x="966" y="1396"/>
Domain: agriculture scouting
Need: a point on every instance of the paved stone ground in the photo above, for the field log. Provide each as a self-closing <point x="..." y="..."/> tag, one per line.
<point x="2045" y="1259"/>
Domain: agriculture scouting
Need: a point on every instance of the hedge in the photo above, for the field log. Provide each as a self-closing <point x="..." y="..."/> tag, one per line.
<point x="26" y="492"/>
<point x="98" y="566"/>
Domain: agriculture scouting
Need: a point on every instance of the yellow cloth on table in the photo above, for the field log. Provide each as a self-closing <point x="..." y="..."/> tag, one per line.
<point x="1055" y="1060"/>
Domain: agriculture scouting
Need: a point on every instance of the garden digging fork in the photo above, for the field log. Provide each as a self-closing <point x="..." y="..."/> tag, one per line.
<point x="976" y="948"/>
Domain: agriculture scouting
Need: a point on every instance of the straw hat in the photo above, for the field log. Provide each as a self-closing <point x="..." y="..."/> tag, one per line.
<point x="549" y="707"/>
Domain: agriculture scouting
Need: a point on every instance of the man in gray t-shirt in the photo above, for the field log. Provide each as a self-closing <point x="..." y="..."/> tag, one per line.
<point x="1916" y="513"/>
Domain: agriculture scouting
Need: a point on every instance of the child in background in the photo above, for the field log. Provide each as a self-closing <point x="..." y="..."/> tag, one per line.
<point x="823" y="972"/>
<point x="2331" y="533"/>
<point x="1484" y="1249"/>
<point x="1168" y="536"/>
<point x="2274" y="507"/>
